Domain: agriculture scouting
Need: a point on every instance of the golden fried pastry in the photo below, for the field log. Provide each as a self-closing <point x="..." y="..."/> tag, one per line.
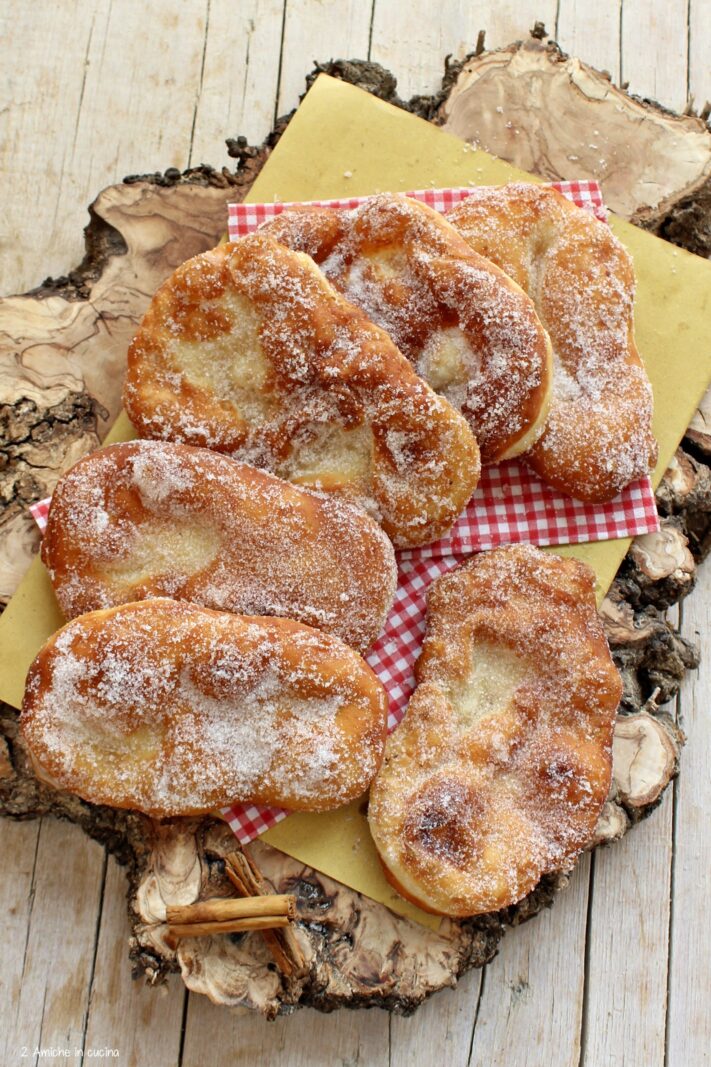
<point x="150" y="518"/>
<point x="598" y="437"/>
<point x="468" y="330"/>
<point x="502" y="763"/>
<point x="172" y="709"/>
<point x="248" y="350"/>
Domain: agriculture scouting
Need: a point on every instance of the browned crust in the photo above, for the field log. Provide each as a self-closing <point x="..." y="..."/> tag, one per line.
<point x="327" y="365"/>
<point x="598" y="437"/>
<point x="439" y="283"/>
<point x="265" y="547"/>
<point x="481" y="795"/>
<point x="171" y="709"/>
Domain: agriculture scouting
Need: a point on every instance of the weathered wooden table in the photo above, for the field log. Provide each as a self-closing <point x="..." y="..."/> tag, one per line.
<point x="618" y="972"/>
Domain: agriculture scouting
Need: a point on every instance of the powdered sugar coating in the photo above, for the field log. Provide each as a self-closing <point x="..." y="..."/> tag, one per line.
<point x="248" y="350"/>
<point x="172" y="709"/>
<point x="500" y="768"/>
<point x="467" y="329"/>
<point x="150" y="518"/>
<point x="598" y="437"/>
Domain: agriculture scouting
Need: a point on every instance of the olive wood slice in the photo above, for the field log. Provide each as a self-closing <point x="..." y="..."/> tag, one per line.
<point x="528" y="104"/>
<point x="62" y="352"/>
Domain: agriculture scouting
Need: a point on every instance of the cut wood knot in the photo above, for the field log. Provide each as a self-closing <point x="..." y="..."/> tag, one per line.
<point x="645" y="757"/>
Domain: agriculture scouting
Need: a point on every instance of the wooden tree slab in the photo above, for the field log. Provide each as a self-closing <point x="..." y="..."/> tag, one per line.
<point x="556" y="116"/>
<point x="62" y="353"/>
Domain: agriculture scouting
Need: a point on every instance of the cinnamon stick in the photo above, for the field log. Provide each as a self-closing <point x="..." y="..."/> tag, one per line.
<point x="244" y="875"/>
<point x="230" y="926"/>
<point x="282" y="944"/>
<point x="221" y="909"/>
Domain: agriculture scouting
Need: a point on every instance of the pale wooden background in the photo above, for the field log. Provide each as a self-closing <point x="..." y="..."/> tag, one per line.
<point x="618" y="972"/>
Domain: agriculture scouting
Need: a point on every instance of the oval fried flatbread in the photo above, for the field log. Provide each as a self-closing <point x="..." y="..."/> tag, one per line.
<point x="501" y="766"/>
<point x="248" y="350"/>
<point x="150" y="518"/>
<point x="598" y="437"/>
<point x="172" y="709"/>
<point x="466" y="327"/>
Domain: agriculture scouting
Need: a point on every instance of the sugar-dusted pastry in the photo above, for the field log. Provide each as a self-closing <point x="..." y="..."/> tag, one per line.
<point x="470" y="331"/>
<point x="598" y="437"/>
<point x="248" y="350"/>
<point x="502" y="763"/>
<point x="173" y="709"/>
<point x="150" y="518"/>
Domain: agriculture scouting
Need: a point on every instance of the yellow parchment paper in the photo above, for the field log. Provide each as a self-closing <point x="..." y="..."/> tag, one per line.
<point x="344" y="142"/>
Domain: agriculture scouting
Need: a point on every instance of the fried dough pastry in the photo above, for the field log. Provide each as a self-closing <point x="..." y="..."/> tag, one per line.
<point x="469" y="331"/>
<point x="502" y="763"/>
<point x="172" y="709"/>
<point x="248" y="350"/>
<point x="149" y="518"/>
<point x="598" y="437"/>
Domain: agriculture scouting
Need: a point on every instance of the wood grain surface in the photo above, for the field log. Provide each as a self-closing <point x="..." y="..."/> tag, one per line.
<point x="618" y="972"/>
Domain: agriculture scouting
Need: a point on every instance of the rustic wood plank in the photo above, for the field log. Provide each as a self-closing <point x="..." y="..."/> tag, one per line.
<point x="592" y="32"/>
<point x="689" y="1018"/>
<point x="121" y="79"/>
<point x="330" y="29"/>
<point x="143" y="1023"/>
<point x="416" y="54"/>
<point x="239" y="76"/>
<point x="65" y="905"/>
<point x="699" y="65"/>
<point x="18" y="847"/>
<point x="42" y="97"/>
<point x="512" y="20"/>
<point x="441" y="1030"/>
<point x="83" y="91"/>
<point x="532" y="993"/>
<point x="654" y="50"/>
<point x="307" y="1040"/>
<point x="626" y="989"/>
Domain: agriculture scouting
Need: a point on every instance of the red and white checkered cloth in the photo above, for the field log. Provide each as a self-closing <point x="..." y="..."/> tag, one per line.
<point x="244" y="218"/>
<point x="511" y="505"/>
